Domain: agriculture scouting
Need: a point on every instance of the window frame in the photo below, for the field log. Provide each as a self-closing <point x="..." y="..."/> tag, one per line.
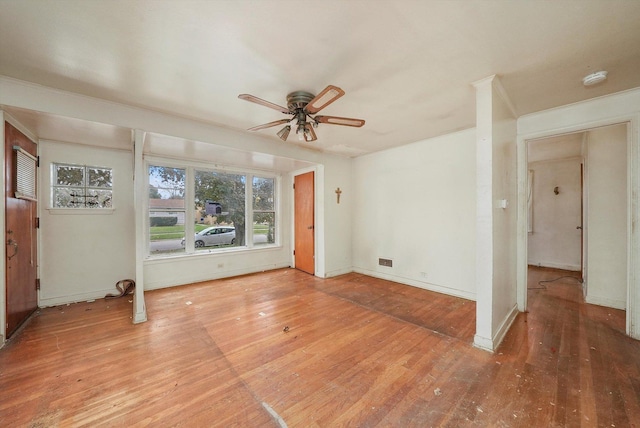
<point x="190" y="167"/>
<point x="81" y="209"/>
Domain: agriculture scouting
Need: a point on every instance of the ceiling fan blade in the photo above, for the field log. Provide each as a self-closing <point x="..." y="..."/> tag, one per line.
<point x="251" y="98"/>
<point x="270" y="124"/>
<point x="334" y="120"/>
<point x="323" y="99"/>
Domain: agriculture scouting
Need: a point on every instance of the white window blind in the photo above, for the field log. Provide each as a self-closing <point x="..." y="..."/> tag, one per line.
<point x="25" y="174"/>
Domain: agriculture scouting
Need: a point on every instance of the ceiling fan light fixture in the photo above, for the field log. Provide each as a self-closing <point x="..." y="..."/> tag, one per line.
<point x="300" y="131"/>
<point x="284" y="133"/>
<point x="309" y="133"/>
<point x="594" y="78"/>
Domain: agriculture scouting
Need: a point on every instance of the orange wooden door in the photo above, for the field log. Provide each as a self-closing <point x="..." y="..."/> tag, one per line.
<point x="20" y="226"/>
<point x="304" y="222"/>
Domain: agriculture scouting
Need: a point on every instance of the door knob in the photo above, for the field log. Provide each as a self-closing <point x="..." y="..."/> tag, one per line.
<point x="579" y="227"/>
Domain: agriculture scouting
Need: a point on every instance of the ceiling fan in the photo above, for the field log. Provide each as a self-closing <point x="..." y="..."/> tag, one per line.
<point x="303" y="107"/>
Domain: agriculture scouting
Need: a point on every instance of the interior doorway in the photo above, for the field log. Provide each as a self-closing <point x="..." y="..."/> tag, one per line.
<point x="555" y="200"/>
<point x="579" y="185"/>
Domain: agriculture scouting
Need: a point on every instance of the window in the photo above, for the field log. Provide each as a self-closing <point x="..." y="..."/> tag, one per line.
<point x="264" y="213"/>
<point x="167" y="209"/>
<point x="25" y="174"/>
<point x="220" y="201"/>
<point x="199" y="210"/>
<point x="81" y="186"/>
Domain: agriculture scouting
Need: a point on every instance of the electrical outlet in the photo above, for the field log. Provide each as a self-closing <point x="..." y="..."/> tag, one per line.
<point x="385" y="262"/>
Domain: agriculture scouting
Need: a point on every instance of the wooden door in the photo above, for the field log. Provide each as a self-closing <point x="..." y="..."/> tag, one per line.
<point x="304" y="197"/>
<point x="20" y="245"/>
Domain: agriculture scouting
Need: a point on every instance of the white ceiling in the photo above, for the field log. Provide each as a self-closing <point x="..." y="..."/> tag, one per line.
<point x="407" y="66"/>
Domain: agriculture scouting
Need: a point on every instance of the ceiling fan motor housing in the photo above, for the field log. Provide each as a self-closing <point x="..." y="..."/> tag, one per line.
<point x="298" y="100"/>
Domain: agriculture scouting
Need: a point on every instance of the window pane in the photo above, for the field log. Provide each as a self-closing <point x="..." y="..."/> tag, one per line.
<point x="166" y="231"/>
<point x="99" y="177"/>
<point x="167" y="183"/>
<point x="220" y="201"/>
<point x="98" y="198"/>
<point x="263" y="198"/>
<point x="67" y="197"/>
<point x="264" y="228"/>
<point x="69" y="175"/>
<point x="166" y="209"/>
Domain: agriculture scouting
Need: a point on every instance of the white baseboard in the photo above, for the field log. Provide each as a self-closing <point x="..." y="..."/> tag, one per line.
<point x="491" y="344"/>
<point x="420" y="284"/>
<point x="552" y="265"/>
<point x="338" y="272"/>
<point x="604" y="301"/>
<point x="73" y="298"/>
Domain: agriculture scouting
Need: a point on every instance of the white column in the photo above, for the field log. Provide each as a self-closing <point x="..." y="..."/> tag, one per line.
<point x="139" y="184"/>
<point x="484" y="215"/>
<point x="496" y="224"/>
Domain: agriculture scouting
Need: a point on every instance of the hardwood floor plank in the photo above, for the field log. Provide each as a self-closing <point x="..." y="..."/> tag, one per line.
<point x="358" y="351"/>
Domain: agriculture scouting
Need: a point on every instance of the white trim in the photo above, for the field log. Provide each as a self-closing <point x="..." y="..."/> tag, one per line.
<point x="318" y="213"/>
<point x="605" y="301"/>
<point x="552" y="265"/>
<point x="483" y="343"/>
<point x="20" y="127"/>
<point x="442" y="289"/>
<point x="537" y="126"/>
<point x="81" y="211"/>
<point x="492" y="344"/>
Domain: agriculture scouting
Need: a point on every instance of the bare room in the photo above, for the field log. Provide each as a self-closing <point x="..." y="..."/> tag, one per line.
<point x="279" y="213"/>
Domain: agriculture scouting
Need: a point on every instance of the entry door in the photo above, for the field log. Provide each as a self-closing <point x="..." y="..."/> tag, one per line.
<point x="304" y="222"/>
<point x="20" y="245"/>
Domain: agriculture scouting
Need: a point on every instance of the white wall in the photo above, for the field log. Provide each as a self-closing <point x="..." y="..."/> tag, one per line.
<point x="83" y="254"/>
<point x="607" y="216"/>
<point x="555" y="241"/>
<point x="337" y="243"/>
<point x="415" y="204"/>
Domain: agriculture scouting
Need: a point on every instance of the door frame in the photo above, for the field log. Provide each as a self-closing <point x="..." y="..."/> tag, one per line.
<point x="4" y="116"/>
<point x="633" y="213"/>
<point x="319" y="203"/>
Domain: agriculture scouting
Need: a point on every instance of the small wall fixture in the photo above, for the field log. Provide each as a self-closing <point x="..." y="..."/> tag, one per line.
<point x="594" y="78"/>
<point x="556" y="190"/>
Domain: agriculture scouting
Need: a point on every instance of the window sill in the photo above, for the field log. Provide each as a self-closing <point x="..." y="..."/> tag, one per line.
<point x="81" y="211"/>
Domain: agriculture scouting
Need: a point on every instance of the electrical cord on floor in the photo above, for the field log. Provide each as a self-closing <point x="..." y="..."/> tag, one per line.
<point x="544" y="287"/>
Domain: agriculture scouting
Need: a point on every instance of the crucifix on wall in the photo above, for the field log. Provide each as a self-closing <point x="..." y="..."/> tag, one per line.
<point x="338" y="193"/>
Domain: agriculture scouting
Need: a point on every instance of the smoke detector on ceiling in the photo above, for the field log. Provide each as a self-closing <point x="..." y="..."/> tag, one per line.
<point x="594" y="78"/>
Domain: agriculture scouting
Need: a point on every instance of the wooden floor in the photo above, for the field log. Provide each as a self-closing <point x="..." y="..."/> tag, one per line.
<point x="285" y="348"/>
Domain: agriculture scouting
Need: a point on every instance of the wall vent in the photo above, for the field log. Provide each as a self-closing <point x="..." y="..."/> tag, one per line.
<point x="385" y="262"/>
